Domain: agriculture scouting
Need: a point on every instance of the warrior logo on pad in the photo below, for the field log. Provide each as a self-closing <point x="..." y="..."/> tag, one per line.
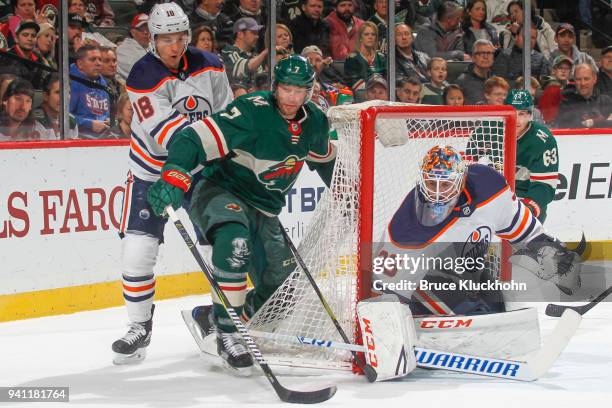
<point x="282" y="175"/>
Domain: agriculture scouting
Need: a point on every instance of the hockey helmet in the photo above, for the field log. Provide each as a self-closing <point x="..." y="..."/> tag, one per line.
<point x="167" y="18"/>
<point x="441" y="179"/>
<point x="520" y="99"/>
<point x="295" y="70"/>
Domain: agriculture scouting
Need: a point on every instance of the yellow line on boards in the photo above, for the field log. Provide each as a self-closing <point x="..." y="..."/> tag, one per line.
<point x="94" y="296"/>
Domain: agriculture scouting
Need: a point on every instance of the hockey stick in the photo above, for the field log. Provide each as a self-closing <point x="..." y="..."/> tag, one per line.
<point x="285" y="394"/>
<point x="557" y="310"/>
<point x="530" y="369"/>
<point x="369" y="372"/>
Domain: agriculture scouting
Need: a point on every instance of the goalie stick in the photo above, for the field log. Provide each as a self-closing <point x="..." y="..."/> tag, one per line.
<point x="368" y="370"/>
<point x="285" y="394"/>
<point x="555" y="310"/>
<point x="530" y="369"/>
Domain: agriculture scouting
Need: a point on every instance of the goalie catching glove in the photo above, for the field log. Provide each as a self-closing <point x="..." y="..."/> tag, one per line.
<point x="169" y="189"/>
<point x="550" y="260"/>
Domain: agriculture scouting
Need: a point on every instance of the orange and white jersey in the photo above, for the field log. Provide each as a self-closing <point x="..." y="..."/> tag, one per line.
<point x="165" y="101"/>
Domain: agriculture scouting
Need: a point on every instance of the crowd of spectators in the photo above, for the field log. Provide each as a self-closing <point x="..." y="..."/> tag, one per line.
<point x="345" y="40"/>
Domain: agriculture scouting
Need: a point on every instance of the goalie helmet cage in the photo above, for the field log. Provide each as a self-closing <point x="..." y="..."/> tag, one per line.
<point x="369" y="183"/>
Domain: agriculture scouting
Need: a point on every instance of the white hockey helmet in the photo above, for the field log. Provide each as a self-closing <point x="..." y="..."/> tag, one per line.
<point x="167" y="18"/>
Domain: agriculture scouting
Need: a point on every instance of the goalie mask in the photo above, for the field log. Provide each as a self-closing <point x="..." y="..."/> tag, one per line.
<point x="441" y="179"/>
<point x="168" y="18"/>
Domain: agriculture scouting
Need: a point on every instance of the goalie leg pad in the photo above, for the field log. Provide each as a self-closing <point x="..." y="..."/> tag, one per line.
<point x="388" y="336"/>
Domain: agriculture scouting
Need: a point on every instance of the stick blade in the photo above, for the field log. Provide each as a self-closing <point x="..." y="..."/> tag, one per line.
<point x="305" y="397"/>
<point x="555" y="344"/>
<point x="555" y="310"/>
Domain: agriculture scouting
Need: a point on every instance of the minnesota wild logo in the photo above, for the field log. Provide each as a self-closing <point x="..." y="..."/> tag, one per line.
<point x="282" y="175"/>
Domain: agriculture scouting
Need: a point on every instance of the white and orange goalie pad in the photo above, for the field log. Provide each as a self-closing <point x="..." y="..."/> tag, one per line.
<point x="388" y="335"/>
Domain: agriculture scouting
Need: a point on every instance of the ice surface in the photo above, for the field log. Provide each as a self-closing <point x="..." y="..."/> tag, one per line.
<point x="74" y="351"/>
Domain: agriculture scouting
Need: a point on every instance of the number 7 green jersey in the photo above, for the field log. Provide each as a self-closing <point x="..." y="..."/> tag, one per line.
<point x="251" y="151"/>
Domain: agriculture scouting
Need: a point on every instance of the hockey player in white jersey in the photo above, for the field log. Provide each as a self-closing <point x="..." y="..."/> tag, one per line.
<point x="172" y="86"/>
<point x="456" y="210"/>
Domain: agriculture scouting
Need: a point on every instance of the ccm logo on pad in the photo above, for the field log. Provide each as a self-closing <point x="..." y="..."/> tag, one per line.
<point x="445" y="324"/>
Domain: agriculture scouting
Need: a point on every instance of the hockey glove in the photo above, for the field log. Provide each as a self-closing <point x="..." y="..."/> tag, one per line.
<point x="549" y="259"/>
<point x="169" y="189"/>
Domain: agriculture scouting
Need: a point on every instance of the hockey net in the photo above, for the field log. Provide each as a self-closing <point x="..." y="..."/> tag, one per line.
<point x="368" y="184"/>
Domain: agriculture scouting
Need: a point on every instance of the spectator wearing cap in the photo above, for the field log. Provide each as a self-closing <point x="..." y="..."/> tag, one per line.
<point x="604" y="78"/>
<point x="366" y="59"/>
<point x="135" y="47"/>
<point x="237" y="9"/>
<point x="554" y="86"/>
<point x="89" y="99"/>
<point x="565" y="36"/>
<point x="209" y="13"/>
<point x="343" y="29"/>
<point x="23" y="55"/>
<point x="22" y="11"/>
<point x="408" y="61"/>
<point x="377" y="88"/>
<point x="473" y="79"/>
<point x="443" y="37"/>
<point x="408" y="90"/>
<point x="331" y="89"/>
<point x="311" y="26"/>
<point x="48" y="114"/>
<point x="16" y="120"/>
<point x="509" y="62"/>
<point x="241" y="63"/>
<point x="585" y="106"/>
<point x="76" y="26"/>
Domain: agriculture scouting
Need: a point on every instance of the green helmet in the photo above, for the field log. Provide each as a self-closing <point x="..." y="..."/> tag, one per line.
<point x="520" y="99"/>
<point x="294" y="70"/>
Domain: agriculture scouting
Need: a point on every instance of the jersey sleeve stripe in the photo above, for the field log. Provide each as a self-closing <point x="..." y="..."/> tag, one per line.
<point x="211" y="137"/>
<point x="513" y="223"/>
<point x="152" y="89"/>
<point x="144" y="155"/>
<point x="166" y="129"/>
<point x="526" y="216"/>
<point x="493" y="197"/>
<point x="328" y="156"/>
<point x="544" y="176"/>
<point x="528" y="231"/>
<point x="144" y="165"/>
<point x="144" y="146"/>
<point x="163" y="123"/>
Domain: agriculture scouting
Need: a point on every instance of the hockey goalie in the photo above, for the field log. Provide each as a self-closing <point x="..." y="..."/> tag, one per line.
<point x="454" y="213"/>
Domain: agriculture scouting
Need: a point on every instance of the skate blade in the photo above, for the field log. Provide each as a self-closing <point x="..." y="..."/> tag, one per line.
<point x="130" y="359"/>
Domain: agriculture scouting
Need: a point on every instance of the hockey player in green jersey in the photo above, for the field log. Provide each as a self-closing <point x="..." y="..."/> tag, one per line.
<point x="253" y="153"/>
<point x="537" y="156"/>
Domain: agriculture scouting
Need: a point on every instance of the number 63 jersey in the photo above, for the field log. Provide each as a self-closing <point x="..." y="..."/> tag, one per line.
<point x="165" y="101"/>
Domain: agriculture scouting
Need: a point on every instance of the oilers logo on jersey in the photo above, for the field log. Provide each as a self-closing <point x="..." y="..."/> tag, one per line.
<point x="194" y="107"/>
<point x="477" y="243"/>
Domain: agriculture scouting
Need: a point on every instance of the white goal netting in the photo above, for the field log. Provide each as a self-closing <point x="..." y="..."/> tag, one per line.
<point x="331" y="246"/>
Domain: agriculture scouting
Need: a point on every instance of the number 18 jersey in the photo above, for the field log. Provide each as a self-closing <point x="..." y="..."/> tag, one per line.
<point x="165" y="101"/>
